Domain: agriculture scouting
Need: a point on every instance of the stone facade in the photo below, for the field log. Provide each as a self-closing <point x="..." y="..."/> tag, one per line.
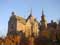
<point x="31" y="32"/>
<point x="27" y="26"/>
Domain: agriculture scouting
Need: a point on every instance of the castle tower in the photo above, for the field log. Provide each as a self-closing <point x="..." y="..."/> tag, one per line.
<point x="12" y="23"/>
<point x="43" y="21"/>
<point x="29" y="21"/>
<point x="16" y="24"/>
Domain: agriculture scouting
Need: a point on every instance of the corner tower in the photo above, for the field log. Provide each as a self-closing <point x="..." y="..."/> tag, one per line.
<point x="16" y="24"/>
<point x="43" y="21"/>
<point x="12" y="23"/>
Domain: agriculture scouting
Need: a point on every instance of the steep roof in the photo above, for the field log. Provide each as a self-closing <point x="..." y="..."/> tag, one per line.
<point x="21" y="19"/>
<point x="28" y="17"/>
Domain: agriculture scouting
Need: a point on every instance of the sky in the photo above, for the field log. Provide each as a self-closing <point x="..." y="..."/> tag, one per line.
<point x="23" y="7"/>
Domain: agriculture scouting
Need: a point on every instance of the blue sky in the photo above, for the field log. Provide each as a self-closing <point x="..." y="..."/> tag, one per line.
<point x="22" y="8"/>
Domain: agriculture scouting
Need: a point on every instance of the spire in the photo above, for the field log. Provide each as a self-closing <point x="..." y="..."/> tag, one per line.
<point x="30" y="15"/>
<point x="43" y="16"/>
<point x="42" y="12"/>
<point x="31" y="12"/>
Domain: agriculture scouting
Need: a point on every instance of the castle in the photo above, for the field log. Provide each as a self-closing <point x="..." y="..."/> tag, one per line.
<point x="29" y="31"/>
